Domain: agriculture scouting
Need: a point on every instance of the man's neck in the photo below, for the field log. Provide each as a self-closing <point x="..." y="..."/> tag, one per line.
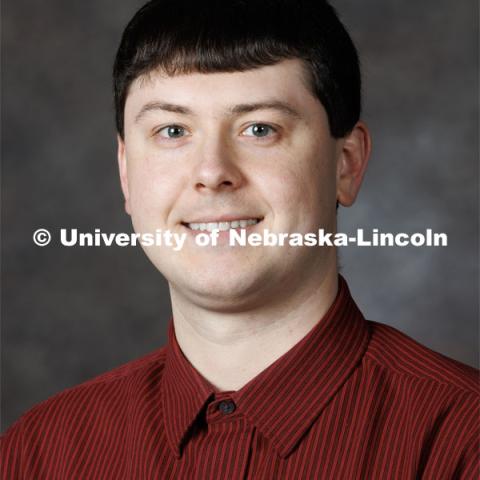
<point x="231" y="349"/>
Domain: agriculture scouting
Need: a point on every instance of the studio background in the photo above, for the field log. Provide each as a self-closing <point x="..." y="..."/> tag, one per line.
<point x="69" y="314"/>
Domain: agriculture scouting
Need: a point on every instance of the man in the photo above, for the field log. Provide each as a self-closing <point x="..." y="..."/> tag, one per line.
<point x="244" y="116"/>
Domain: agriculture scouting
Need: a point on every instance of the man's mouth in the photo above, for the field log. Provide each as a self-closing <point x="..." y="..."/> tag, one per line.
<point x="222" y="225"/>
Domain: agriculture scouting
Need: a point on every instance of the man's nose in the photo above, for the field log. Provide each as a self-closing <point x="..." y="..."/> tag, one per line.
<point x="217" y="168"/>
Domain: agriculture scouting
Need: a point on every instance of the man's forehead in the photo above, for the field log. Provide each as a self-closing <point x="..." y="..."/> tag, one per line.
<point x="279" y="87"/>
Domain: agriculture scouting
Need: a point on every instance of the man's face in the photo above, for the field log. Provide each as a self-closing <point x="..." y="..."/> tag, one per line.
<point x="238" y="147"/>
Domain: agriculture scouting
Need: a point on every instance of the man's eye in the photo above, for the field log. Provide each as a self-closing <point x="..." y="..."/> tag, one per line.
<point x="172" y="131"/>
<point x="259" y="130"/>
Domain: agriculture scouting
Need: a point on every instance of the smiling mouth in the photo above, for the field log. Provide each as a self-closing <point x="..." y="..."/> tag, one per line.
<point x="222" y="226"/>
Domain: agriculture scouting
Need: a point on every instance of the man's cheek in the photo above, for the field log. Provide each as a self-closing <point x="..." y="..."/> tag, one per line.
<point x="285" y="192"/>
<point x="146" y="205"/>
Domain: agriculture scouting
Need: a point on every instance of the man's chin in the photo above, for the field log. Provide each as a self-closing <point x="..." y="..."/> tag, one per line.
<point x="219" y="293"/>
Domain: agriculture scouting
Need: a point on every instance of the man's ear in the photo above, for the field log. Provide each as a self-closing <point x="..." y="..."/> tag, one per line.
<point x="352" y="162"/>
<point x="122" y="169"/>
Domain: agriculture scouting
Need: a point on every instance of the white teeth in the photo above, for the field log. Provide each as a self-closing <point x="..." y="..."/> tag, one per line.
<point x="223" y="226"/>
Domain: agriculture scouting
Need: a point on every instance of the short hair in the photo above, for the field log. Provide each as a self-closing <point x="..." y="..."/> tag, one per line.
<point x="207" y="36"/>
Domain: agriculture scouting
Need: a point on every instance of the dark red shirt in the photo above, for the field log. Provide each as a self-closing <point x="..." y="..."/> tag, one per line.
<point x="354" y="399"/>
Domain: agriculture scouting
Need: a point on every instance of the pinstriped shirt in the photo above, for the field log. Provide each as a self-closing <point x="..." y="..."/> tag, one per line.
<point x="354" y="399"/>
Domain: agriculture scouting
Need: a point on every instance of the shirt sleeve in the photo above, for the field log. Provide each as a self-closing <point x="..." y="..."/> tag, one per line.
<point x="11" y="453"/>
<point x="469" y="465"/>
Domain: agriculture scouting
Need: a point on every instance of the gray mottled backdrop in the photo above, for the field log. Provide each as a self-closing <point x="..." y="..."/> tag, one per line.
<point x="70" y="314"/>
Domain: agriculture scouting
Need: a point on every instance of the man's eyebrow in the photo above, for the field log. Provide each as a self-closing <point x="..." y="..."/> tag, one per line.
<point x="235" y="110"/>
<point x="164" y="106"/>
<point x="269" y="105"/>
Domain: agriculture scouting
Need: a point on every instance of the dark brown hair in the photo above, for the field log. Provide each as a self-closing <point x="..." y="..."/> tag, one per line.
<point x="236" y="35"/>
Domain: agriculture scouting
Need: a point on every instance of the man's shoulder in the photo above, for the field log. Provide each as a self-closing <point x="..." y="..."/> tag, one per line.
<point x="436" y="399"/>
<point x="97" y="410"/>
<point x="139" y="366"/>
<point x="126" y="382"/>
<point x="404" y="357"/>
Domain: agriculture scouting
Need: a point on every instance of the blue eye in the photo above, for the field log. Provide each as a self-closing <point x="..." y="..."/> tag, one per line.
<point x="172" y="131"/>
<point x="258" y="130"/>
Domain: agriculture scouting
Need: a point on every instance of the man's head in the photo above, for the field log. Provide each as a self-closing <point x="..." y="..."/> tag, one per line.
<point x="229" y="112"/>
<point x="217" y="36"/>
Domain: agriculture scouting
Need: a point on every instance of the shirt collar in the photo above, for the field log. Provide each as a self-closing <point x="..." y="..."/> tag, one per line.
<point x="287" y="397"/>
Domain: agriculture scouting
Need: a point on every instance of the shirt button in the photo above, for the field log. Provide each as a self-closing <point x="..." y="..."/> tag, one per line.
<point x="226" y="407"/>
